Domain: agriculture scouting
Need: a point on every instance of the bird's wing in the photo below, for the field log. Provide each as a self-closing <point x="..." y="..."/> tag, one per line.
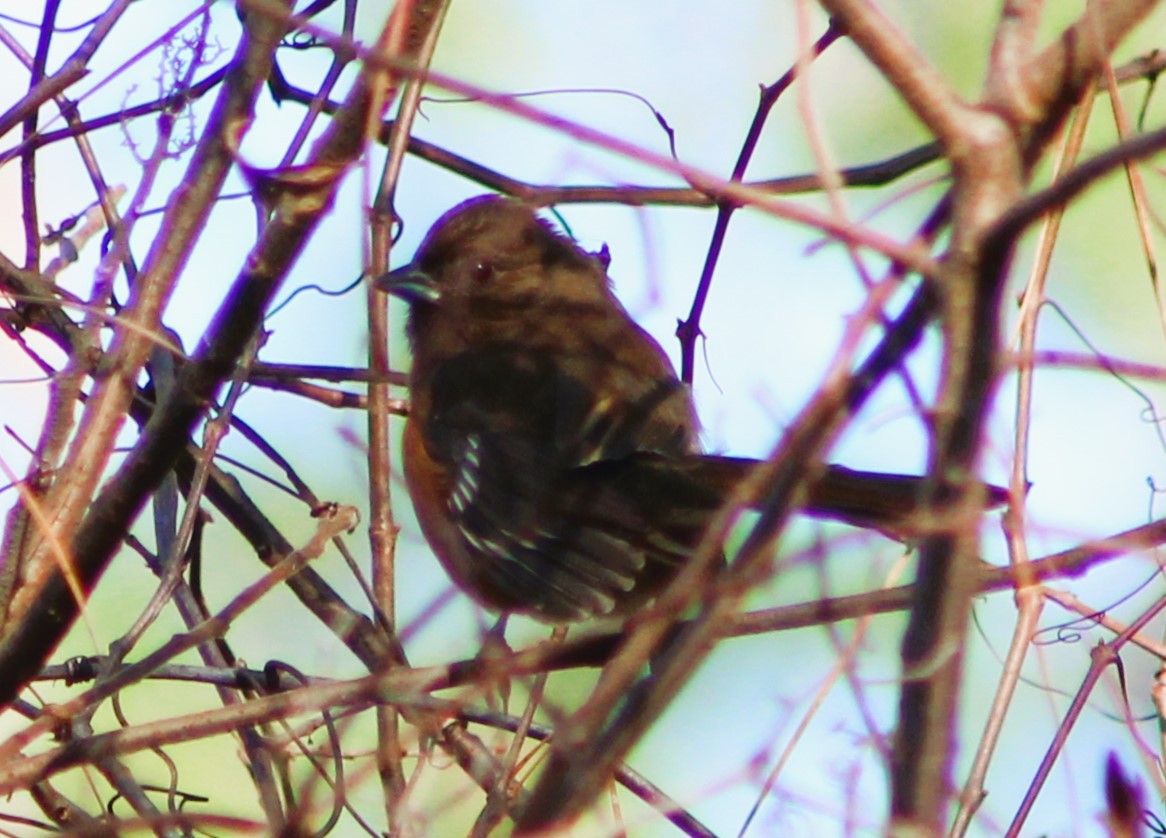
<point x="550" y="517"/>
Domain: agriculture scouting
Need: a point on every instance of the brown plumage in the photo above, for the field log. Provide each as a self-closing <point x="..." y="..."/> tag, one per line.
<point x="551" y="452"/>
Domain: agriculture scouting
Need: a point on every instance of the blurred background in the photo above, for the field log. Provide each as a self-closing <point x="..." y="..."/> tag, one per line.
<point x="780" y="300"/>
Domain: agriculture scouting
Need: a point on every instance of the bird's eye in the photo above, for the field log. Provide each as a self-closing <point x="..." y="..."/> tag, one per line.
<point x="483" y="271"/>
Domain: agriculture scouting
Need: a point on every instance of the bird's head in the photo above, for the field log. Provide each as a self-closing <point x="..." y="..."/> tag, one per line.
<point x="491" y="263"/>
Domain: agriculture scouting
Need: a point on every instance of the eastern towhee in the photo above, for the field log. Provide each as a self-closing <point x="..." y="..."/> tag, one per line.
<point x="550" y="451"/>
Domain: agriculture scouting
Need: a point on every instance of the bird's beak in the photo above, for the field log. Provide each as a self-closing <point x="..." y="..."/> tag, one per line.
<point x="410" y="284"/>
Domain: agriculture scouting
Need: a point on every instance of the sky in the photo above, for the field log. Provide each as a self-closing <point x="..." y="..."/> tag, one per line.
<point x="780" y="302"/>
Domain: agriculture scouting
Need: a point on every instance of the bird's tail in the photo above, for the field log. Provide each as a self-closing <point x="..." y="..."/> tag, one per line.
<point x="892" y="503"/>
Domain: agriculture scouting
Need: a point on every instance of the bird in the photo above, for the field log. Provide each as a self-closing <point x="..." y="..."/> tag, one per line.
<point x="550" y="452"/>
